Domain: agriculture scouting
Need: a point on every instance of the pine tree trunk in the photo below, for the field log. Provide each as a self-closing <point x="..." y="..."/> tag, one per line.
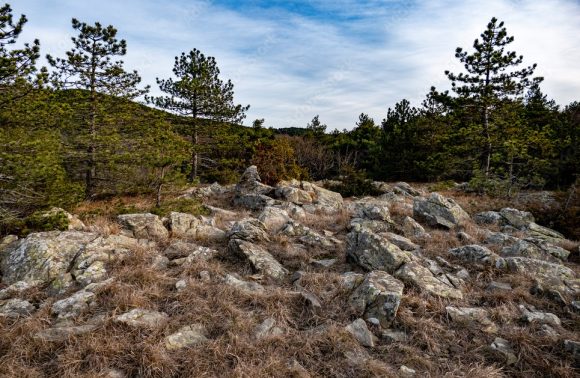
<point x="91" y="168"/>
<point x="488" y="141"/>
<point x="194" y="155"/>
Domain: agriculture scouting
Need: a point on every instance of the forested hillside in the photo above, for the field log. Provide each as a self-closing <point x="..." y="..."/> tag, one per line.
<point x="85" y="128"/>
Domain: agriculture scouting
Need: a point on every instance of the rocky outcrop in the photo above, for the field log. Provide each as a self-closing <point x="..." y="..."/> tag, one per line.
<point x="378" y="296"/>
<point x="477" y="254"/>
<point x="374" y="252"/>
<point x="249" y="229"/>
<point x="438" y="211"/>
<point x="143" y="226"/>
<point x="415" y="274"/>
<point x="261" y="260"/>
<point x="251" y="193"/>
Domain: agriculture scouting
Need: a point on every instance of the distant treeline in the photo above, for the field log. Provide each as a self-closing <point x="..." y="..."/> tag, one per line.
<point x="74" y="131"/>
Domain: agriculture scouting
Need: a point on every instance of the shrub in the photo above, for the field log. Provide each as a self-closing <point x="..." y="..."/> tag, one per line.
<point x="355" y="183"/>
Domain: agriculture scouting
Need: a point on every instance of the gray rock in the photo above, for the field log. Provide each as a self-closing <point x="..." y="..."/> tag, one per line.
<point x="186" y="337"/>
<point x="63" y="332"/>
<point x="260" y="259"/>
<point x="464" y="237"/>
<point x="251" y="193"/>
<point x="411" y="228"/>
<point x="143" y="226"/>
<point x="204" y="276"/>
<point x="501" y="239"/>
<point x="44" y="256"/>
<point x="73" y="306"/>
<point x="536" y="249"/>
<point x="267" y="328"/>
<point x="378" y="296"/>
<point x="351" y="280"/>
<point x="516" y="218"/>
<point x="370" y="208"/>
<point x="361" y="333"/>
<point x="274" y="219"/>
<point x="472" y="316"/>
<point x="160" y="262"/>
<point x="572" y="347"/>
<point x="247" y="286"/>
<point x="530" y="315"/>
<point x="503" y="347"/>
<point x="488" y="218"/>
<point x="544" y="233"/>
<point x="406" y="188"/>
<point x="416" y="274"/>
<point x="478" y="254"/>
<point x="439" y="211"/>
<point x="141" y="318"/>
<point x="293" y="194"/>
<point x="183" y="224"/>
<point x="401" y="241"/>
<point x="200" y="254"/>
<point x="374" y="252"/>
<point x="392" y="336"/>
<point x="499" y="286"/>
<point x="405" y="371"/>
<point x="555" y="277"/>
<point x="181" y="285"/>
<point x="17" y="288"/>
<point x="15" y="308"/>
<point x="324" y="263"/>
<point x="249" y="229"/>
<point x="179" y="249"/>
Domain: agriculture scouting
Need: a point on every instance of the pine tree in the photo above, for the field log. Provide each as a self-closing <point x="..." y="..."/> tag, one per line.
<point x="316" y="128"/>
<point x="16" y="65"/>
<point x="90" y="67"/>
<point x="200" y="94"/>
<point x="491" y="79"/>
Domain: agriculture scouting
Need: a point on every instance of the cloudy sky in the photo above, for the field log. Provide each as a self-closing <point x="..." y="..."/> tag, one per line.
<point x="291" y="60"/>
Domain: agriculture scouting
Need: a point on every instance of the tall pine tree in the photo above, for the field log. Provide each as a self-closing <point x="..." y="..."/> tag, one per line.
<point x="199" y="94"/>
<point x="492" y="78"/>
<point x="89" y="66"/>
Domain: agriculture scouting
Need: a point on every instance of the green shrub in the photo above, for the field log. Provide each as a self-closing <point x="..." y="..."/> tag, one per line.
<point x="355" y="183"/>
<point x="180" y="205"/>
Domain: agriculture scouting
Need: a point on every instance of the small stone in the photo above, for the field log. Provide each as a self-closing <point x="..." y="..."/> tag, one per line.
<point x="15" y="308"/>
<point x="392" y="336"/>
<point x="324" y="263"/>
<point x="204" y="276"/>
<point x="74" y="305"/>
<point x="361" y="333"/>
<point x="181" y="285"/>
<point x="141" y="318"/>
<point x="160" y="262"/>
<point x="243" y="285"/>
<point x="267" y="328"/>
<point x="186" y="337"/>
<point x="499" y="286"/>
<point x="503" y="347"/>
<point x="532" y="316"/>
<point x="572" y="347"/>
<point x="406" y="371"/>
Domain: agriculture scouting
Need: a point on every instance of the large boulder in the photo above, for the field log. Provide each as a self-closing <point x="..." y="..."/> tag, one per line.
<point x="516" y="218"/>
<point x="557" y="279"/>
<point x="370" y="208"/>
<point x="15" y="308"/>
<point x="56" y="257"/>
<point x="439" y="211"/>
<point x="378" y="296"/>
<point x="260" y="259"/>
<point x="374" y="252"/>
<point x="44" y="256"/>
<point x="143" y="226"/>
<point x="183" y="224"/>
<point x="478" y="254"/>
<point x="415" y="274"/>
<point x="536" y="249"/>
<point x="293" y="194"/>
<point x="249" y="229"/>
<point x="411" y="228"/>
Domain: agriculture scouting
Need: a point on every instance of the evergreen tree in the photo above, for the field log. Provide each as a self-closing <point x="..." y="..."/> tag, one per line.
<point x="491" y="80"/>
<point x="16" y="65"/>
<point x="316" y="128"/>
<point x="89" y="66"/>
<point x="200" y="94"/>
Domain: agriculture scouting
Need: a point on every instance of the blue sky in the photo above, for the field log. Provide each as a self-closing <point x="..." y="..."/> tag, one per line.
<point x="291" y="60"/>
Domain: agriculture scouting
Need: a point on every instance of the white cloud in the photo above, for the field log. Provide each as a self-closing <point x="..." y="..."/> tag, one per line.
<point x="290" y="67"/>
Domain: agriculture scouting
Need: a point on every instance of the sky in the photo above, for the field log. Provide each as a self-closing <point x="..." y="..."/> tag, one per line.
<point x="292" y="60"/>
